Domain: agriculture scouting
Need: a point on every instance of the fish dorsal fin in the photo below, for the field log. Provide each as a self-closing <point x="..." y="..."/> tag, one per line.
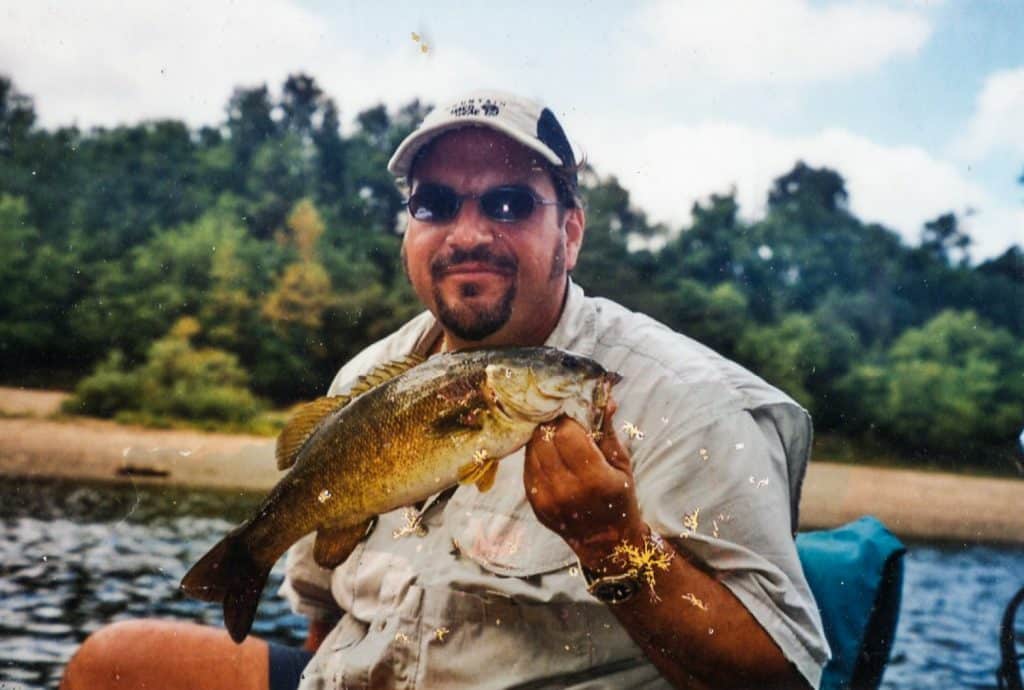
<point x="306" y="420"/>
<point x="384" y="373"/>
<point x="302" y="425"/>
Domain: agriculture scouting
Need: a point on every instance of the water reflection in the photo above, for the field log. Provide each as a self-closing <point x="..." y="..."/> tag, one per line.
<point x="75" y="557"/>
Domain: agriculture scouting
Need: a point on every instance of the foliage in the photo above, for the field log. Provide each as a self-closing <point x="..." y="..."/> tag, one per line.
<point x="801" y="355"/>
<point x="276" y="235"/>
<point x="110" y="389"/>
<point x="177" y="381"/>
<point x="955" y="385"/>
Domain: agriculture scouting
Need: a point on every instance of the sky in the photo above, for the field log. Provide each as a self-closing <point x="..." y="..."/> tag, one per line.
<point x="918" y="105"/>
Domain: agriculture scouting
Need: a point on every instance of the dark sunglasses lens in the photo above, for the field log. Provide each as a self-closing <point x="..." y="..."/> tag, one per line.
<point x="507" y="204"/>
<point x="433" y="204"/>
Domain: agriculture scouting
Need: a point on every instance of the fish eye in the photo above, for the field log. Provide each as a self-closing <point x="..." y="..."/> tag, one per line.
<point x="572" y="363"/>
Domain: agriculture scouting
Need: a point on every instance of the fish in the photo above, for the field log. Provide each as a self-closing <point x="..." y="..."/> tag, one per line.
<point x="407" y="430"/>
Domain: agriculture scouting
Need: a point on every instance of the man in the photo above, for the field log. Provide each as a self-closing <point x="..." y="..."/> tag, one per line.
<point x="658" y="551"/>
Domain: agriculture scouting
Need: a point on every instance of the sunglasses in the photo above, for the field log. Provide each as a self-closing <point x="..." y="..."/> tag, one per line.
<point x="437" y="203"/>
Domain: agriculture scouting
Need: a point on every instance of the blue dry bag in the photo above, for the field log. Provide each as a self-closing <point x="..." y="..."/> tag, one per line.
<point x="856" y="574"/>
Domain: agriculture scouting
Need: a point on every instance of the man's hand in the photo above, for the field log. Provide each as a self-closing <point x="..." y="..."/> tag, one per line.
<point x="582" y="488"/>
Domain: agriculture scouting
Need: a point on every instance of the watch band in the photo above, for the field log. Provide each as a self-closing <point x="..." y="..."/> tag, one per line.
<point x="611" y="589"/>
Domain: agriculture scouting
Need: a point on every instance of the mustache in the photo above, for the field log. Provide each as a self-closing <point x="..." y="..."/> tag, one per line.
<point x="477" y="255"/>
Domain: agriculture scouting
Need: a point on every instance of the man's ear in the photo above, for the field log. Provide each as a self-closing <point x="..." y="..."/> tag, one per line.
<point x="575" y="226"/>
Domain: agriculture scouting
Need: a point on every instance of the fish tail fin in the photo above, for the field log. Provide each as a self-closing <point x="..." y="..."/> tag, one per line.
<point x="229" y="574"/>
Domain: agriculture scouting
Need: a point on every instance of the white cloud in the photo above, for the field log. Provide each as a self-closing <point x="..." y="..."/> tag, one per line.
<point x="778" y="41"/>
<point x="110" y="62"/>
<point x="998" y="119"/>
<point x="667" y="169"/>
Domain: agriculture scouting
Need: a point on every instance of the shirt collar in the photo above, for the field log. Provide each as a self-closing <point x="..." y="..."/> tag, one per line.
<point x="575" y="330"/>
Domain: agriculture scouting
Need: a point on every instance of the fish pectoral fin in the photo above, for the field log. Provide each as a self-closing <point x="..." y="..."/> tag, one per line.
<point x="479" y="472"/>
<point x="302" y="425"/>
<point x="334" y="543"/>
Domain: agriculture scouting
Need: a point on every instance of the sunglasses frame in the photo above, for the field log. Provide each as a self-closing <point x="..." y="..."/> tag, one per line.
<point x="459" y="198"/>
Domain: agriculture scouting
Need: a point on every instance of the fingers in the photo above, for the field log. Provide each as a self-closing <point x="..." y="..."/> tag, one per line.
<point x="541" y="460"/>
<point x="576" y="447"/>
<point x="548" y="483"/>
<point x="562" y="450"/>
<point x="564" y="456"/>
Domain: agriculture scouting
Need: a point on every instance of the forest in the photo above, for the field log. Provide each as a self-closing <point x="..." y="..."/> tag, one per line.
<point x="164" y="272"/>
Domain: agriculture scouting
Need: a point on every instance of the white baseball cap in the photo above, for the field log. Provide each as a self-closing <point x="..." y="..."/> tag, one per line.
<point x="527" y="122"/>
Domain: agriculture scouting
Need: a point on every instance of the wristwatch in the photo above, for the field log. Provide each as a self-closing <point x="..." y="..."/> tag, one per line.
<point x="611" y="589"/>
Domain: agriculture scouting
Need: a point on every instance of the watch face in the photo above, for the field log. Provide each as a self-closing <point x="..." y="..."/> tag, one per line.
<point x="616" y="591"/>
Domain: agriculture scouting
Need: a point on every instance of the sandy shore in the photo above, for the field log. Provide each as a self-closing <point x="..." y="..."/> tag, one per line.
<point x="914" y="505"/>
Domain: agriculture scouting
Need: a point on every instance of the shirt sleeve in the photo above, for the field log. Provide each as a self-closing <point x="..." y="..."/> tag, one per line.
<point x="307" y="586"/>
<point x="723" y="493"/>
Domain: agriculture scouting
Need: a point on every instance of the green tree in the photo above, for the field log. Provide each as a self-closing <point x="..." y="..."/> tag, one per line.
<point x="606" y="266"/>
<point x="953" y="385"/>
<point x="38" y="281"/>
<point x="20" y="328"/>
<point x="996" y="291"/>
<point x="176" y="382"/>
<point x="716" y="316"/>
<point x="943" y="239"/>
<point x="707" y="250"/>
<point x="250" y="124"/>
<point x="133" y="298"/>
<point x="296" y="305"/>
<point x="802" y="355"/>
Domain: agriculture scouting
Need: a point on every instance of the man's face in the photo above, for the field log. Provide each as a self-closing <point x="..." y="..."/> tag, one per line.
<point x="489" y="282"/>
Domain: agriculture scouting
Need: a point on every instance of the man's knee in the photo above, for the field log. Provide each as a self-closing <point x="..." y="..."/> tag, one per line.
<point x="165" y="654"/>
<point x="97" y="663"/>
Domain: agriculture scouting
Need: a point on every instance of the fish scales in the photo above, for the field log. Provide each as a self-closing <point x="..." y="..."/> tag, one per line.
<point x="381" y="435"/>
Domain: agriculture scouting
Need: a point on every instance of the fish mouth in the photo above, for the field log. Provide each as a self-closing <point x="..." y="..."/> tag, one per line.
<point x="602" y="395"/>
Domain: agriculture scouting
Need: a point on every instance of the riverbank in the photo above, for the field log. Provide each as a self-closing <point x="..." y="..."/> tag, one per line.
<point x="913" y="504"/>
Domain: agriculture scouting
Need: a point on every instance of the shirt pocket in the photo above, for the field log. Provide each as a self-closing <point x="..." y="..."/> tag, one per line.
<point x="498" y="530"/>
<point x="380" y="653"/>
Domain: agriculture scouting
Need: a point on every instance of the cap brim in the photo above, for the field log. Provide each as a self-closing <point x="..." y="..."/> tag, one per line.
<point x="401" y="161"/>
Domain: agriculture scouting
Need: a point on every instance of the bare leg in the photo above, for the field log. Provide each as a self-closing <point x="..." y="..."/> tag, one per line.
<point x="166" y="655"/>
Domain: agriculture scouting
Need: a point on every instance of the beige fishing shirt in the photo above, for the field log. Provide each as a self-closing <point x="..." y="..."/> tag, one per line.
<point x="481" y="595"/>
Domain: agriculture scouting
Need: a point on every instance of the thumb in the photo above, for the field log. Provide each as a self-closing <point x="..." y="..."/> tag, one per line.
<point x="610" y="446"/>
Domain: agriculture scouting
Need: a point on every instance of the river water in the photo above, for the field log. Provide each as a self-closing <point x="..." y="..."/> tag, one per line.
<point x="74" y="557"/>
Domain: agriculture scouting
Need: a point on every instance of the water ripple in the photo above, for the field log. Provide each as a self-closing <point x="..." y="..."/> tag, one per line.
<point x="76" y="557"/>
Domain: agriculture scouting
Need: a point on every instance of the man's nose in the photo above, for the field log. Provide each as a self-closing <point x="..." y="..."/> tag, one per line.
<point x="471" y="227"/>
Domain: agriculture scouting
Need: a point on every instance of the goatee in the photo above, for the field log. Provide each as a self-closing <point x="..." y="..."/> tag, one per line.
<point x="474" y="324"/>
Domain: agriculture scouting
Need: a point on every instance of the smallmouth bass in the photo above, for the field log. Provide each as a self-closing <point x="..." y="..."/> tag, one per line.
<point x="406" y="431"/>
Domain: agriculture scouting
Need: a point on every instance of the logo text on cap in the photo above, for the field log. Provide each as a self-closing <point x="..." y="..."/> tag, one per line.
<point x="475" y="106"/>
